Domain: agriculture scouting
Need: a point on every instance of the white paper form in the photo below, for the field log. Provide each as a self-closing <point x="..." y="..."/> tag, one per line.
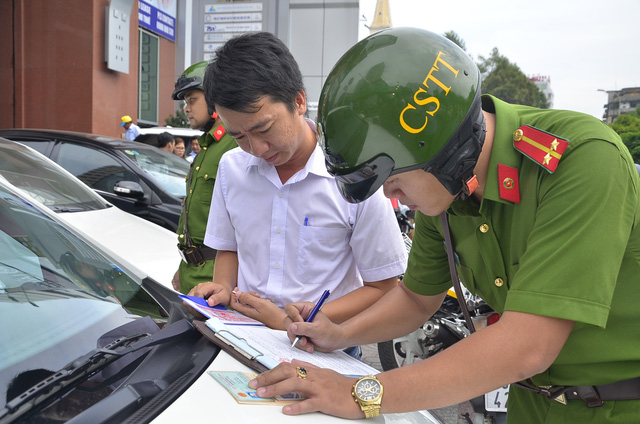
<point x="276" y="345"/>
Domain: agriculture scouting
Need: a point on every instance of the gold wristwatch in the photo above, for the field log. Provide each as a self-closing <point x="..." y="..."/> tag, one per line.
<point x="367" y="392"/>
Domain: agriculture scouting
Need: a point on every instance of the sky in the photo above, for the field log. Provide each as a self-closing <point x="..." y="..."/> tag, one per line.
<point x="582" y="45"/>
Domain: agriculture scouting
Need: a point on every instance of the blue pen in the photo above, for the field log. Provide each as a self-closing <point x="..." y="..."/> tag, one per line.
<point x="306" y="221"/>
<point x="313" y="313"/>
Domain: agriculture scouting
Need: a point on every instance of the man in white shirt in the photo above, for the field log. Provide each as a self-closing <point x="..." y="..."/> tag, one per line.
<point x="282" y="229"/>
<point x="131" y="129"/>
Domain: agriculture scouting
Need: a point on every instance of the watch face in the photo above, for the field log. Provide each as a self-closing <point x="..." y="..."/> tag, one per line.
<point x="368" y="389"/>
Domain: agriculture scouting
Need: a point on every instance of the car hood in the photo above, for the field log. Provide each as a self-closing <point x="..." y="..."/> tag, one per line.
<point x="149" y="247"/>
<point x="215" y="404"/>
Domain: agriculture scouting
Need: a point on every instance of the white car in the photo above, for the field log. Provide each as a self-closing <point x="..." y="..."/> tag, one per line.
<point x="84" y="339"/>
<point x="147" y="246"/>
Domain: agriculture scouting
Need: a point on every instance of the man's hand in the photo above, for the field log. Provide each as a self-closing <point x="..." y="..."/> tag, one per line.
<point x="175" y="281"/>
<point x="253" y="306"/>
<point x="321" y="334"/>
<point x="324" y="390"/>
<point x="216" y="294"/>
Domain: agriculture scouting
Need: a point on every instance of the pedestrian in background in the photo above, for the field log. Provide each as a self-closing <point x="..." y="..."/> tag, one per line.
<point x="166" y="142"/>
<point x="195" y="149"/>
<point x="131" y="129"/>
<point x="178" y="148"/>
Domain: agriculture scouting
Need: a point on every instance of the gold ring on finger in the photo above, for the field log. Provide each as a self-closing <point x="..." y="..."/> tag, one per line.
<point x="302" y="373"/>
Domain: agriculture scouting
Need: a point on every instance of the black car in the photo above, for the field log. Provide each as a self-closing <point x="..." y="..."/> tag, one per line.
<point x="137" y="178"/>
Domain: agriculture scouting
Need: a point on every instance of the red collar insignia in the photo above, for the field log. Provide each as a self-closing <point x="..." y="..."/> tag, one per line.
<point x="219" y="132"/>
<point x="508" y="183"/>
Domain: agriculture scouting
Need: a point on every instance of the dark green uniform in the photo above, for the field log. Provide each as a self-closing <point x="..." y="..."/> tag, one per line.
<point x="198" y="201"/>
<point x="568" y="247"/>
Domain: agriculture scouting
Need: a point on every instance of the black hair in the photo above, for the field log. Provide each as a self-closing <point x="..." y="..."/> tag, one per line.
<point x="164" y="138"/>
<point x="249" y="67"/>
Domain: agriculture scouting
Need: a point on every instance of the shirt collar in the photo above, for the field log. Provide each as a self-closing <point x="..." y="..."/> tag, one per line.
<point x="502" y="152"/>
<point x="315" y="165"/>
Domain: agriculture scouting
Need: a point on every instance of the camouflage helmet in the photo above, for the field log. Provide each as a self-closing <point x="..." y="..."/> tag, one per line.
<point x="190" y="79"/>
<point x="399" y="100"/>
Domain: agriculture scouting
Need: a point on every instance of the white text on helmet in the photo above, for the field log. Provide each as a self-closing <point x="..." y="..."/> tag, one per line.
<point x="420" y="100"/>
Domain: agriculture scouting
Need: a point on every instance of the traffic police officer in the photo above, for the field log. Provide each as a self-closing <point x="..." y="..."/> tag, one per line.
<point x="543" y="208"/>
<point x="197" y="264"/>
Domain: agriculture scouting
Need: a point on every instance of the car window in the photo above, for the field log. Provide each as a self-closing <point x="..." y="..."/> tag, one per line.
<point x="58" y="295"/>
<point x="39" y="146"/>
<point x="96" y="169"/>
<point x="44" y="181"/>
<point x="165" y="168"/>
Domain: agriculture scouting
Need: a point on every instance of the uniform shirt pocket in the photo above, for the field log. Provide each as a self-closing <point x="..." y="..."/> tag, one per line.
<point x="322" y="254"/>
<point x="204" y="187"/>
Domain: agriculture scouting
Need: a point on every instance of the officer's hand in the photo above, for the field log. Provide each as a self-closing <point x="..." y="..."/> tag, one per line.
<point x="324" y="390"/>
<point x="263" y="310"/>
<point x="321" y="334"/>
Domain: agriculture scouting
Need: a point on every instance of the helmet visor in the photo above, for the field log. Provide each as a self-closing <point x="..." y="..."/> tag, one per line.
<point x="360" y="184"/>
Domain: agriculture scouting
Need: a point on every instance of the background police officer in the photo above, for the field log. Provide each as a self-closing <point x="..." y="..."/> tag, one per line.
<point x="197" y="264"/>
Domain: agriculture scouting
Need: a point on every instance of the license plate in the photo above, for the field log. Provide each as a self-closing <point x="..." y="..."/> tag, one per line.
<point x="496" y="400"/>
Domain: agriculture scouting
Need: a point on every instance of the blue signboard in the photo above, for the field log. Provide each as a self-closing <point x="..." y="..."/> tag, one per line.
<point x="158" y="16"/>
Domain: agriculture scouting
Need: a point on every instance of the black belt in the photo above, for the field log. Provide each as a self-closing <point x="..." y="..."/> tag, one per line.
<point x="594" y="396"/>
<point x="197" y="255"/>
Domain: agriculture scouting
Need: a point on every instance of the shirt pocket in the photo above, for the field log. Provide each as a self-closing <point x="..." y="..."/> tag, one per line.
<point x="322" y="254"/>
<point x="204" y="188"/>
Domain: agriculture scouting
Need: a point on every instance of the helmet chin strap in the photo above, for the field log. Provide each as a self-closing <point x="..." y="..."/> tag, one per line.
<point x="453" y="166"/>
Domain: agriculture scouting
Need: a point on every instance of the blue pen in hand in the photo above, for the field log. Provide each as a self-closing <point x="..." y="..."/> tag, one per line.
<point x="313" y="313"/>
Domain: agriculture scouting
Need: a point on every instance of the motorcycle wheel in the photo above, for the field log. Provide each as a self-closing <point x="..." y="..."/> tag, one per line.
<point x="401" y="351"/>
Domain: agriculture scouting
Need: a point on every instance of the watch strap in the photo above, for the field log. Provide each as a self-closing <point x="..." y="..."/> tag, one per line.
<point x="370" y="411"/>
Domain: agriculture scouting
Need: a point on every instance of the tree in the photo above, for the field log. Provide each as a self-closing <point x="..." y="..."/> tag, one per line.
<point x="506" y="81"/>
<point x="454" y="37"/>
<point x="178" y="121"/>
<point x="628" y="127"/>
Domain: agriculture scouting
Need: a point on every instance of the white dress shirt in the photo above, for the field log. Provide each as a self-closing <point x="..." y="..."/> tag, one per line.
<point x="295" y="240"/>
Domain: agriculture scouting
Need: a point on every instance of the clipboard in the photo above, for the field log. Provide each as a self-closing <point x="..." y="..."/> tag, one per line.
<point x="262" y="348"/>
<point x="228" y="345"/>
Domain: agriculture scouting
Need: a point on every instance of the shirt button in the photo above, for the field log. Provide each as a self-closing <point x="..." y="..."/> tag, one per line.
<point x="499" y="282"/>
<point x="281" y="195"/>
<point x="278" y="230"/>
<point x="277" y="266"/>
<point x="484" y="228"/>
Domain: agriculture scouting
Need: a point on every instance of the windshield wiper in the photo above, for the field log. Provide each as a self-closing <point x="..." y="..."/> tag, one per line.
<point x="85" y="366"/>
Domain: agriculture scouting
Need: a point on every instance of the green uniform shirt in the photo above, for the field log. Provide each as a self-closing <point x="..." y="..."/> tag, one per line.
<point x="570" y="249"/>
<point x="198" y="202"/>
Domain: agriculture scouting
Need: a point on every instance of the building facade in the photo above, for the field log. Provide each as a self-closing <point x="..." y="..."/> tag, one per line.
<point x="620" y="102"/>
<point x="55" y="74"/>
<point x="79" y="65"/>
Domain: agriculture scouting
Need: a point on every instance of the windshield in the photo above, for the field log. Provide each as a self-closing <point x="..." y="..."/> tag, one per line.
<point x="44" y="181"/>
<point x="167" y="169"/>
<point x="58" y="296"/>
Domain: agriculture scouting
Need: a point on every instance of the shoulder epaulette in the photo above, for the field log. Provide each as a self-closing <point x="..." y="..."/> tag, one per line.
<point x="219" y="132"/>
<point x="541" y="147"/>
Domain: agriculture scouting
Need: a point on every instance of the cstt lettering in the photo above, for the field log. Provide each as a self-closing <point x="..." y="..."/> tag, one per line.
<point x="423" y="103"/>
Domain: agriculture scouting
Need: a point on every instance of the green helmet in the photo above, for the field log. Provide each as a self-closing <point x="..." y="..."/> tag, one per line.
<point x="399" y="100"/>
<point x="190" y="79"/>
